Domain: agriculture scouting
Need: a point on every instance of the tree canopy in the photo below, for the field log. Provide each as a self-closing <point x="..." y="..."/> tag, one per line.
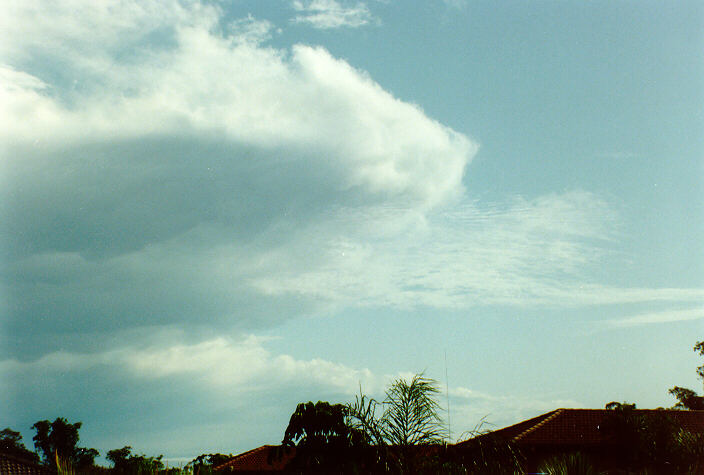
<point x="59" y="439"/>
<point x="124" y="461"/>
<point x="11" y="443"/>
<point x="687" y="398"/>
<point x="652" y="439"/>
<point x="322" y="436"/>
<point x="367" y="435"/>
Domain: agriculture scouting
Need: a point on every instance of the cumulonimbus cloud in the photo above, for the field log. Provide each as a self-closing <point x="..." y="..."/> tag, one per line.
<point x="144" y="185"/>
<point x="196" y="175"/>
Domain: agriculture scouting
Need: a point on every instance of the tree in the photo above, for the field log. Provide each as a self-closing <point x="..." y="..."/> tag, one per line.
<point x="322" y="437"/>
<point x="205" y="463"/>
<point x="409" y="424"/>
<point x="411" y="413"/>
<point x="11" y="443"/>
<point x="124" y="462"/>
<point x="59" y="439"/>
<point x="652" y="440"/>
<point x="687" y="398"/>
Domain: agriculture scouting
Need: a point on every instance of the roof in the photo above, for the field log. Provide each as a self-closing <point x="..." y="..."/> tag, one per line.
<point x="260" y="459"/>
<point x="13" y="465"/>
<point x="581" y="426"/>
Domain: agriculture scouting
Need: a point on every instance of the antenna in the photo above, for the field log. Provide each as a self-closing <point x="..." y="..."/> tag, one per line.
<point x="447" y="391"/>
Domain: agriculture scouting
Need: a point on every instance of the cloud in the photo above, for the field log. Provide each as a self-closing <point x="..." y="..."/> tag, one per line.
<point x="229" y="375"/>
<point x="241" y="365"/>
<point x="666" y="316"/>
<point x="153" y="190"/>
<point x="537" y="252"/>
<point x="456" y="4"/>
<point x="251" y="30"/>
<point x="328" y="14"/>
<point x="158" y="388"/>
<point x="491" y="412"/>
<point x="161" y="166"/>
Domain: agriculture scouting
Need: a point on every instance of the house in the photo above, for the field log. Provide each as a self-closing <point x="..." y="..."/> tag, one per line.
<point x="13" y="465"/>
<point x="262" y="460"/>
<point x="565" y="431"/>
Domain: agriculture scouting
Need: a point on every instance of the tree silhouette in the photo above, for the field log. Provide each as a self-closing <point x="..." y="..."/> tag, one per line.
<point x="687" y="398"/>
<point x="396" y="435"/>
<point x="322" y="437"/>
<point x="60" y="439"/>
<point x="11" y="443"/>
<point x="652" y="440"/>
<point x="125" y="462"/>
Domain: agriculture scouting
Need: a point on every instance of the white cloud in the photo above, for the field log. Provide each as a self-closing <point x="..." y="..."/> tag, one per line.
<point x="225" y="370"/>
<point x="195" y="176"/>
<point x="537" y="252"/>
<point x="666" y="316"/>
<point x="217" y="364"/>
<point x="327" y="14"/>
<point x="310" y="102"/>
<point x="251" y="30"/>
<point x="473" y="411"/>
<point x="456" y="4"/>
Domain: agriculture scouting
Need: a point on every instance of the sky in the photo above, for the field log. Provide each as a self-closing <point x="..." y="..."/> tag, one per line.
<point x="214" y="210"/>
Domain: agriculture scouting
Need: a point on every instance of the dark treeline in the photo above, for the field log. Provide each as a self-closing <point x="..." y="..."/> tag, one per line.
<point x="56" y="445"/>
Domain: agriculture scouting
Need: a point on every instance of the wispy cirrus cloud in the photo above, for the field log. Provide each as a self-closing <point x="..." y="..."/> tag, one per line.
<point x="522" y="253"/>
<point x="456" y="4"/>
<point x="652" y="318"/>
<point x="329" y="14"/>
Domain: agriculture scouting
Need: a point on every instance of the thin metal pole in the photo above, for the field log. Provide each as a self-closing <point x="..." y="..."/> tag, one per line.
<point x="447" y="390"/>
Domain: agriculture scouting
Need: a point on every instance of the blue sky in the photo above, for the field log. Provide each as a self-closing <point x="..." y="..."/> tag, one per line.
<point x="215" y="210"/>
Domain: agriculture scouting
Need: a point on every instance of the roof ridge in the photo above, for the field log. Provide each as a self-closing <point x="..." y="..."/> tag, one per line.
<point x="539" y="424"/>
<point x="248" y="452"/>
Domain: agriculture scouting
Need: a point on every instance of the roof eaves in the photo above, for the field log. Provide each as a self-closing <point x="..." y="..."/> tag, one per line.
<point x="540" y="424"/>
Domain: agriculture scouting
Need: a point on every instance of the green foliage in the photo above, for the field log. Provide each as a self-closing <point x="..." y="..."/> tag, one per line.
<point x="411" y="413"/>
<point x="125" y="462"/>
<point x="568" y="464"/>
<point x="204" y="463"/>
<point x="366" y="435"/>
<point x="409" y="419"/>
<point x="11" y="443"/>
<point x="60" y="439"/>
<point x="699" y="348"/>
<point x="486" y="454"/>
<point x="64" y="466"/>
<point x="652" y="440"/>
<point x="690" y="450"/>
<point x="687" y="398"/>
<point x="322" y="436"/>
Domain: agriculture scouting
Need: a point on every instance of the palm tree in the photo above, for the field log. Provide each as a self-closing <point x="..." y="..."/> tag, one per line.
<point x="409" y="422"/>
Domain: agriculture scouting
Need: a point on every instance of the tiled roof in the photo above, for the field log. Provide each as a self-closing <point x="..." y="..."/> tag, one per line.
<point x="581" y="426"/>
<point x="260" y="459"/>
<point x="12" y="465"/>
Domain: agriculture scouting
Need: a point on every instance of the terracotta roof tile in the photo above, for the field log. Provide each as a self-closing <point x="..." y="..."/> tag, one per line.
<point x="259" y="459"/>
<point x="12" y="465"/>
<point x="581" y="426"/>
